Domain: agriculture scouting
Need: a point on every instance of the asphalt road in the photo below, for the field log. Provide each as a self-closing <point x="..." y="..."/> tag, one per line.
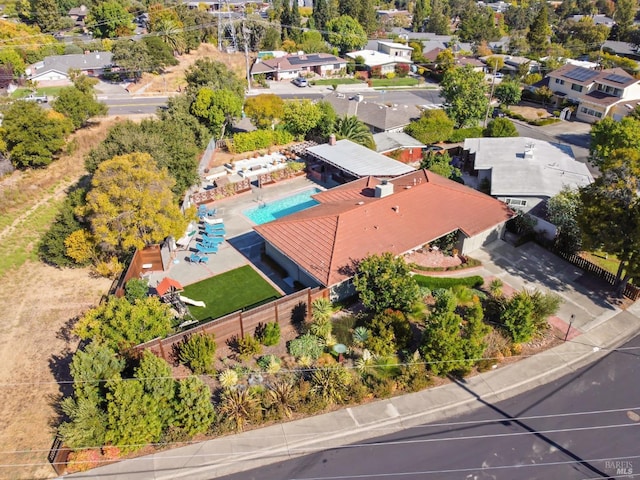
<point x="400" y="97"/>
<point x="583" y="426"/>
<point x="122" y="105"/>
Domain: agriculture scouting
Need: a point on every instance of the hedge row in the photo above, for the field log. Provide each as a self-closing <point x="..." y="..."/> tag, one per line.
<point x="461" y="134"/>
<point x="250" y="141"/>
<point x="448" y="282"/>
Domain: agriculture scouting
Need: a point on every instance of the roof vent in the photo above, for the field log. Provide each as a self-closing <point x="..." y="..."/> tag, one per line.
<point x="384" y="189"/>
<point x="360" y="203"/>
<point x="528" y="151"/>
<point x="396" y="208"/>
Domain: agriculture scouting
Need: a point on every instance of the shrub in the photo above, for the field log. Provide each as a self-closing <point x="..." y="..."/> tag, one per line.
<point x="269" y="334"/>
<point x="247" y="347"/>
<point x="434" y="283"/>
<point x="461" y="134"/>
<point x="267" y="361"/>
<point x="136" y="289"/>
<point x="197" y="352"/>
<point x="249" y="141"/>
<point x="517" y="317"/>
<point x="360" y="336"/>
<point x="307" y="345"/>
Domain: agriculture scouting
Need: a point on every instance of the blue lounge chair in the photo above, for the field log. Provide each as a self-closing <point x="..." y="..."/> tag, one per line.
<point x="195" y="258"/>
<point x="215" y="229"/>
<point x="211" y="239"/>
<point x="216" y="226"/>
<point x="202" y="248"/>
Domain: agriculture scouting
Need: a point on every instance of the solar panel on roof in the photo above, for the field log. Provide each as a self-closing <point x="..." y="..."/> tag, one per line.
<point x="580" y="74"/>
<point x="616" y="78"/>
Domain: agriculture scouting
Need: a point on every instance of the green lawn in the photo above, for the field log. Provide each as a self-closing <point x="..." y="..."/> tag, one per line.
<point x="338" y="81"/>
<point x="229" y="292"/>
<point x="49" y="91"/>
<point x="394" y="82"/>
<point x="609" y="262"/>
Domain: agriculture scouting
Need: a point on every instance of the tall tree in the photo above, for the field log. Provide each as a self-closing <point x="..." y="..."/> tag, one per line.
<point x="294" y="22"/>
<point x="433" y="126"/>
<point x="300" y="117"/>
<point x="216" y="75"/>
<point x="346" y="34"/>
<point x="91" y="367"/>
<point x="320" y="14"/>
<point x="540" y="31"/>
<point x="610" y="219"/>
<point x="131" y="205"/>
<point x="383" y="281"/>
<point x="500" y="127"/>
<point x="217" y="109"/>
<point x="624" y="16"/>
<point x="79" y="102"/>
<point x="45" y="14"/>
<point x="132" y="56"/>
<point x="285" y="19"/>
<point x="464" y="91"/>
<point x="154" y="374"/>
<point x="509" y="93"/>
<point x="33" y="136"/>
<point x="609" y="135"/>
<point x="420" y="15"/>
<point x="438" y="21"/>
<point x="264" y="110"/>
<point x="351" y="128"/>
<point x="109" y="19"/>
<point x="562" y="210"/>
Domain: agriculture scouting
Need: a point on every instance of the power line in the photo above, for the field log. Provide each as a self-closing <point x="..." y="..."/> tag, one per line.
<point x="470" y="423"/>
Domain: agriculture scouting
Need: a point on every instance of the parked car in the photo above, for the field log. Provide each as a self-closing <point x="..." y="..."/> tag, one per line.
<point x="34" y="97"/>
<point x="300" y="82"/>
<point x="434" y="148"/>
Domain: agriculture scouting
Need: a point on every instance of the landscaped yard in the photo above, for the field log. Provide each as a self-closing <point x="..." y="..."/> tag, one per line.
<point x="394" y="82"/>
<point x="609" y="262"/>
<point x="229" y="292"/>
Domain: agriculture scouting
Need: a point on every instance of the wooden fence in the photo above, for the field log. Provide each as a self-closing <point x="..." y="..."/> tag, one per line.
<point x="630" y="291"/>
<point x="58" y="456"/>
<point x="149" y="259"/>
<point x="284" y="311"/>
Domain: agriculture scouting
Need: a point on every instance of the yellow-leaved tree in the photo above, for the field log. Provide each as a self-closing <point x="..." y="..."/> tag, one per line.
<point x="130" y="204"/>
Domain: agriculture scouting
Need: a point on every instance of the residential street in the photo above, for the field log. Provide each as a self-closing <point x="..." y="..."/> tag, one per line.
<point x="584" y="425"/>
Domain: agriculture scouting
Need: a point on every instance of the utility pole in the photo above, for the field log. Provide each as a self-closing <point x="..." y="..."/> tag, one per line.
<point x="245" y="34"/>
<point x="493" y="85"/>
<point x="219" y="28"/>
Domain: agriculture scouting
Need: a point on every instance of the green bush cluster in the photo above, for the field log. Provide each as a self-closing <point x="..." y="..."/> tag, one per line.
<point x="250" y="141"/>
<point x="269" y="334"/>
<point x="433" y="283"/>
<point x="197" y="352"/>
<point x="461" y="134"/>
<point x="307" y="345"/>
<point x="247" y="347"/>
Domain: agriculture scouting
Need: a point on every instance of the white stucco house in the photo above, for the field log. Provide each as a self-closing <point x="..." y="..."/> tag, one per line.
<point x="54" y="69"/>
<point x="387" y="56"/>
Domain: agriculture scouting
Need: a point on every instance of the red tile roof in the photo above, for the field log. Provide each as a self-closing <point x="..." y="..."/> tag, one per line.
<point x="350" y="223"/>
<point x="168" y="284"/>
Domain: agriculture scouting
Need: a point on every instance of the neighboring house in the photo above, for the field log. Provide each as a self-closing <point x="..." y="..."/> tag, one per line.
<point x="54" y="70"/>
<point x="597" y="19"/>
<point x="623" y="49"/>
<point x="522" y="171"/>
<point x="378" y="117"/>
<point x="387" y="56"/>
<point x="474" y="63"/>
<point x="513" y="63"/>
<point x="597" y="93"/>
<point x="343" y="161"/>
<point x="292" y="66"/>
<point x="321" y="246"/>
<point x="498" y="7"/>
<point x="394" y="18"/>
<point x="78" y="14"/>
<point x="400" y="146"/>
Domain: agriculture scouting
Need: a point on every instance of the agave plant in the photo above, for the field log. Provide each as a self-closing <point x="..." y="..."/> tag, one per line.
<point x="321" y="309"/>
<point x="360" y="336"/>
<point x="228" y="378"/>
<point x="283" y="395"/>
<point x="331" y="383"/>
<point x="273" y="366"/>
<point x="305" y="361"/>
<point x="321" y="328"/>
<point x="239" y="406"/>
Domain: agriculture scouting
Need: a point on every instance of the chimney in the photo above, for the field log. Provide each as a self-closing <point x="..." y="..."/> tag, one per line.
<point x="384" y="189"/>
<point x="332" y="139"/>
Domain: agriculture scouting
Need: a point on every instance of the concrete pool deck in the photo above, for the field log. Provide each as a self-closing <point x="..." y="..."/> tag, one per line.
<point x="242" y="246"/>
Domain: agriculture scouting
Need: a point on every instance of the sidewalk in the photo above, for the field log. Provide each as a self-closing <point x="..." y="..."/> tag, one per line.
<point x="600" y="327"/>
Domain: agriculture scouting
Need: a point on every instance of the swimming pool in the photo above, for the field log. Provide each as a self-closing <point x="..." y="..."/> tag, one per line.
<point x="281" y="208"/>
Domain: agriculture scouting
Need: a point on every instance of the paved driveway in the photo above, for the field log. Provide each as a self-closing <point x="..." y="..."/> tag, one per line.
<point x="532" y="267"/>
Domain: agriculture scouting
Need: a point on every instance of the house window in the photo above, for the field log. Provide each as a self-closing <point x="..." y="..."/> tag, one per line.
<point x="516" y="202"/>
<point x="336" y="66"/>
<point x="591" y="112"/>
<point x="559" y="81"/>
<point x="576" y="87"/>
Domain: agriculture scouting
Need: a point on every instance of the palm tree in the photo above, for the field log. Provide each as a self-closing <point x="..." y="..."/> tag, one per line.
<point x="170" y="32"/>
<point x="350" y="128"/>
<point x="283" y="395"/>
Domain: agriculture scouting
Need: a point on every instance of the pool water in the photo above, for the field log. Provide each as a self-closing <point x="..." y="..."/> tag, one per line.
<point x="281" y="208"/>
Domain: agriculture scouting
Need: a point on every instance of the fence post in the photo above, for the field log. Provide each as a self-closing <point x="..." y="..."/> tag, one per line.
<point x="276" y="304"/>
<point x="241" y="325"/>
<point x="164" y="356"/>
<point x="308" y="304"/>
